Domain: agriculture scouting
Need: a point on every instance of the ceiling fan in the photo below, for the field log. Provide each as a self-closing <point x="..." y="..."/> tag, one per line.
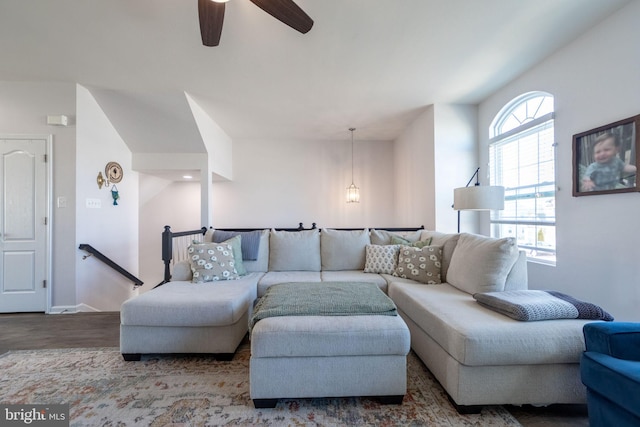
<point x="211" y="14"/>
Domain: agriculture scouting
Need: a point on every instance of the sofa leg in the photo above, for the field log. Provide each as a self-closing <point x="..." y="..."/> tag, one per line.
<point x="391" y="400"/>
<point x="468" y="409"/>
<point x="224" y="357"/>
<point x="465" y="409"/>
<point x="265" y="403"/>
<point x="132" y="357"/>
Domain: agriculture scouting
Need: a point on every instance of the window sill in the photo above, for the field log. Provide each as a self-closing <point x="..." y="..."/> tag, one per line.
<point x="546" y="262"/>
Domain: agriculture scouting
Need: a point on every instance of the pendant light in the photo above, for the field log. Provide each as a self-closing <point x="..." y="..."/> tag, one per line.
<point x="353" y="192"/>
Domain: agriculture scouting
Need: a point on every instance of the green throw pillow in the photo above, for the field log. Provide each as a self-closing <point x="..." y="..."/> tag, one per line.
<point x="236" y="245"/>
<point x="212" y="262"/>
<point x="397" y="240"/>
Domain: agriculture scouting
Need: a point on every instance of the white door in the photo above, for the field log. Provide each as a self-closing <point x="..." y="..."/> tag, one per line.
<point x="23" y="225"/>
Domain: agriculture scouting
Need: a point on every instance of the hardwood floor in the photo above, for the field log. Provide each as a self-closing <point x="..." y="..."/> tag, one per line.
<point x="31" y="331"/>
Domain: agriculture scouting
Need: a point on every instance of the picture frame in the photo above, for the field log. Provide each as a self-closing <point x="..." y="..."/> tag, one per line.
<point x="606" y="159"/>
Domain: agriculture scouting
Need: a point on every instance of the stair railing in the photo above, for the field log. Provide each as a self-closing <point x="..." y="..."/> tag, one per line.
<point x="100" y="256"/>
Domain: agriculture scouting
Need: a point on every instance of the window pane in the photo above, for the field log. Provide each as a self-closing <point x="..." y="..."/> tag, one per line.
<point x="523" y="111"/>
<point x="524" y="163"/>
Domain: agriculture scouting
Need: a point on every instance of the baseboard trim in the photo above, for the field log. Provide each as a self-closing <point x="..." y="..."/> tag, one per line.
<point x="68" y="309"/>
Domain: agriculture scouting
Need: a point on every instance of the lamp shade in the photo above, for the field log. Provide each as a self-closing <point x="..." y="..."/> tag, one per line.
<point x="353" y="194"/>
<point x="478" y="198"/>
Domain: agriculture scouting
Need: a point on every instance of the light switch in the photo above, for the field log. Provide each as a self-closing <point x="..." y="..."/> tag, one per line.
<point x="94" y="203"/>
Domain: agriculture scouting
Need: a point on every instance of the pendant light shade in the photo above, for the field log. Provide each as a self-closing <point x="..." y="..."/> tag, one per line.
<point x="353" y="192"/>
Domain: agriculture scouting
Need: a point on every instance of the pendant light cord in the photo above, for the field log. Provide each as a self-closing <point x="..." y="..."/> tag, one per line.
<point x="352" y="129"/>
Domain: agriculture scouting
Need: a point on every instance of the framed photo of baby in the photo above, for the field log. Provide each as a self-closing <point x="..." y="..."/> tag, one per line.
<point x="606" y="159"/>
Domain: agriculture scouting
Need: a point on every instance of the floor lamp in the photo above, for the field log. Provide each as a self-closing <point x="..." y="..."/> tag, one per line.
<point x="477" y="197"/>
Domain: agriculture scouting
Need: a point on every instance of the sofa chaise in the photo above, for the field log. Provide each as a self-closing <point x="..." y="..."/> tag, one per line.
<point x="479" y="356"/>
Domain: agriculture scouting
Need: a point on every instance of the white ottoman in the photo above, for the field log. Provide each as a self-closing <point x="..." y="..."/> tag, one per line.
<point x="328" y="356"/>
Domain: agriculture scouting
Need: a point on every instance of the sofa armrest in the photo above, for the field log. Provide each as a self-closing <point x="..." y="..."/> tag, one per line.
<point x="617" y="339"/>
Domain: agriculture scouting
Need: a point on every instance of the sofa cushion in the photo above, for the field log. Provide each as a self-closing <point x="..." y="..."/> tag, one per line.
<point x="342" y="249"/>
<point x="518" y="278"/>
<point x="330" y="336"/>
<point x="477" y="336"/>
<point x="420" y="264"/>
<point x="275" y="277"/>
<point x="381" y="258"/>
<point x="448" y="241"/>
<point x="294" y="250"/>
<point x="354" y="276"/>
<point x="261" y="264"/>
<point x="191" y="304"/>
<point x="383" y="237"/>
<point x="481" y="264"/>
<point x="212" y="262"/>
<point x="250" y="241"/>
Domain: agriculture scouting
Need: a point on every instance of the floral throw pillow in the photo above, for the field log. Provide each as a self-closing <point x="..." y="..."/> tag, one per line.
<point x="381" y="258"/>
<point x="420" y="264"/>
<point x="212" y="262"/>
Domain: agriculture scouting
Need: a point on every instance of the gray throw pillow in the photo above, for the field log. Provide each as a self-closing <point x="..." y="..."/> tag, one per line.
<point x="294" y="250"/>
<point x="343" y="249"/>
<point x="420" y="264"/>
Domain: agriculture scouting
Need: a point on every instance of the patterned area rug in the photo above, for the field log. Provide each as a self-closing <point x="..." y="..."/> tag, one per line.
<point x="104" y="390"/>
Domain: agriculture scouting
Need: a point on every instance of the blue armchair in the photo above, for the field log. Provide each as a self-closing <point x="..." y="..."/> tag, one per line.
<point x="610" y="369"/>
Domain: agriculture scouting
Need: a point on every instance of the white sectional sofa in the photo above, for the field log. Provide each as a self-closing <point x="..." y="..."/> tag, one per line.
<point x="479" y="356"/>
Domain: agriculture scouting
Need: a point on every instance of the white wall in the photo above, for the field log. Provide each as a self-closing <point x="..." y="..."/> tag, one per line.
<point x="219" y="157"/>
<point x="435" y="154"/>
<point x="456" y="154"/>
<point x="415" y="180"/>
<point x="595" y="80"/>
<point x="112" y="230"/>
<point x="23" y="110"/>
<point x="218" y="143"/>
<point x="282" y="183"/>
<point x="163" y="202"/>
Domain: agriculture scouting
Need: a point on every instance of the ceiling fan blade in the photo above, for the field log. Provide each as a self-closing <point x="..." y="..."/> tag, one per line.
<point x="211" y="17"/>
<point x="287" y="12"/>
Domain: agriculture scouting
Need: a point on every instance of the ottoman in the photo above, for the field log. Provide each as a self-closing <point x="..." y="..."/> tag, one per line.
<point x="328" y="356"/>
<point x="185" y="317"/>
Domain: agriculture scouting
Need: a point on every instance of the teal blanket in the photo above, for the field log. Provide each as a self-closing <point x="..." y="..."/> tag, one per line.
<point x="322" y="299"/>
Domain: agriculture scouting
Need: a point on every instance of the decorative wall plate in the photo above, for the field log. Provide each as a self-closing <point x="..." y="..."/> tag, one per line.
<point x="113" y="171"/>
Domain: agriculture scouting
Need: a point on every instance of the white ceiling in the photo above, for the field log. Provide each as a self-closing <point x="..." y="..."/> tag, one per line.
<point x="372" y="64"/>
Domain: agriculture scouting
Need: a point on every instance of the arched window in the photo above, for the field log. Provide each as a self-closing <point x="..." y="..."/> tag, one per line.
<point x="522" y="159"/>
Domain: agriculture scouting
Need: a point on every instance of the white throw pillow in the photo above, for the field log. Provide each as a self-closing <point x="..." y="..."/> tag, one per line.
<point x="481" y="264"/>
<point x="381" y="259"/>
<point x="343" y="249"/>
